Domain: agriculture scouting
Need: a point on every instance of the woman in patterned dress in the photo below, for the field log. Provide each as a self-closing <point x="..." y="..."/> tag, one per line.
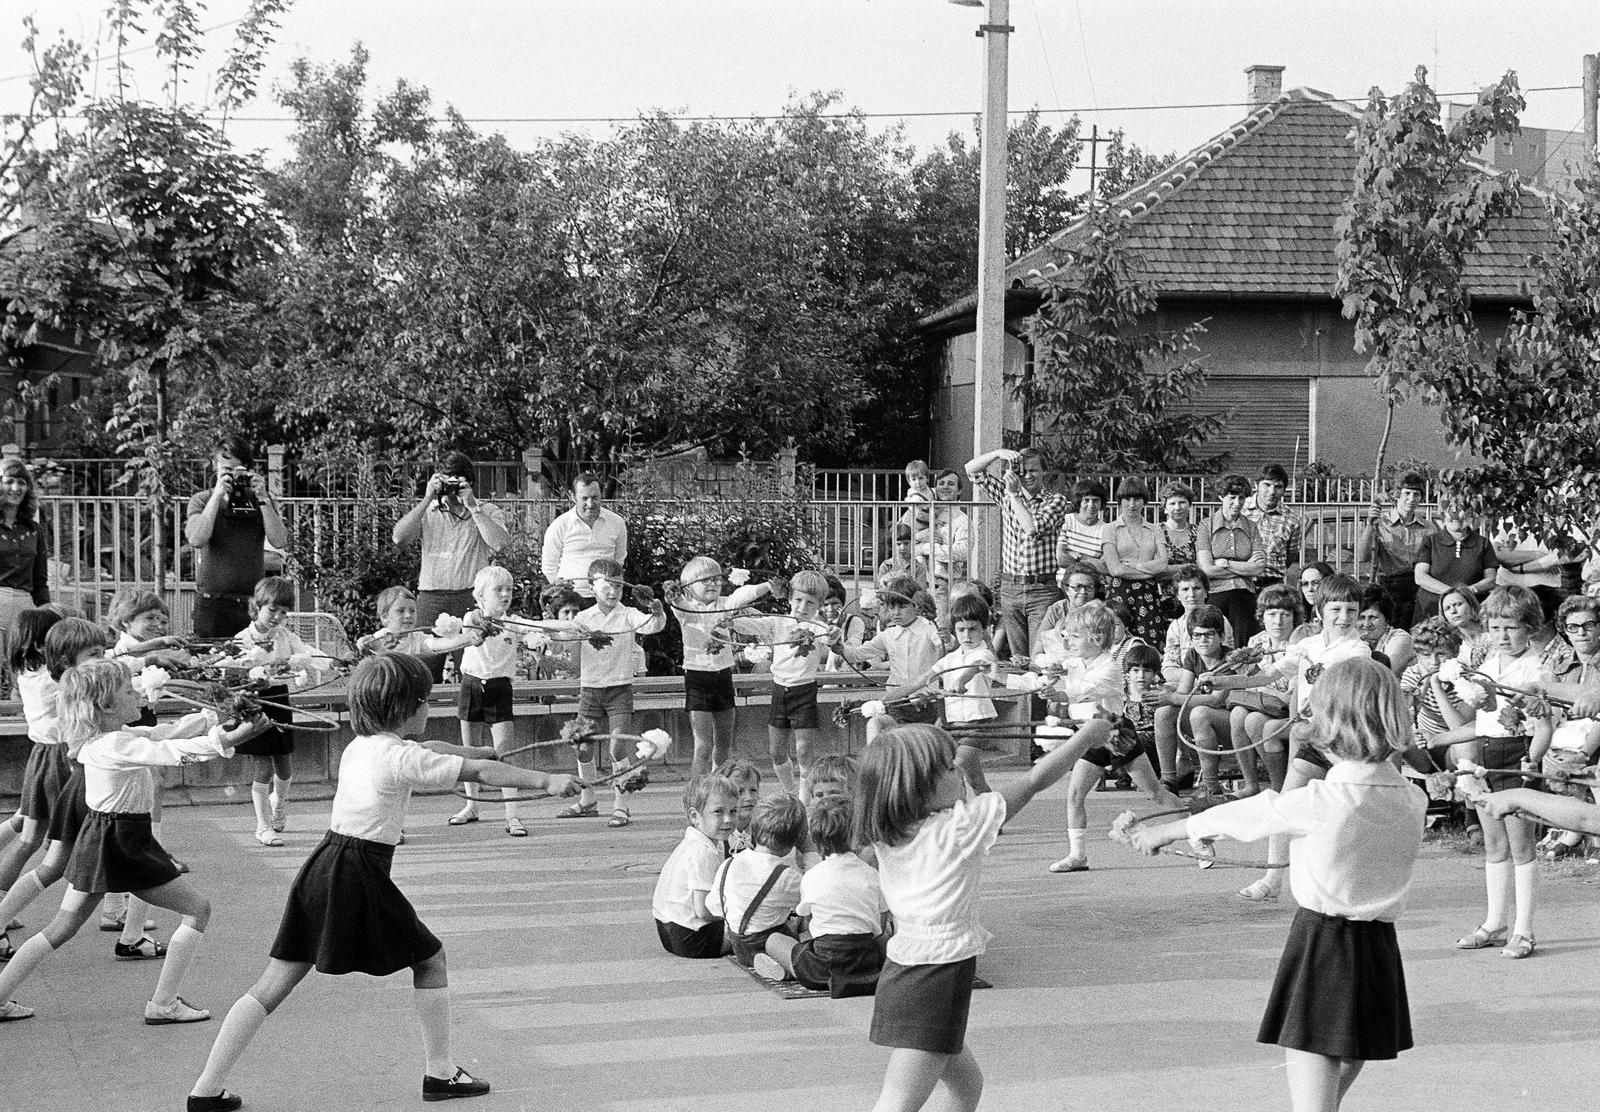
<point x="1136" y="555"/>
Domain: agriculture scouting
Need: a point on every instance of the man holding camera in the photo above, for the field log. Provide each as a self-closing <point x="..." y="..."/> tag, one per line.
<point x="227" y="528"/>
<point x="460" y="533"/>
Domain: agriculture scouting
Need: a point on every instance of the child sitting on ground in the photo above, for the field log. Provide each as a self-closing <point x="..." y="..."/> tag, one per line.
<point x="684" y="922"/>
<point x="746" y="779"/>
<point x="843" y="950"/>
<point x="1131" y="746"/>
<point x="831" y="777"/>
<point x="755" y="888"/>
<point x="397" y="614"/>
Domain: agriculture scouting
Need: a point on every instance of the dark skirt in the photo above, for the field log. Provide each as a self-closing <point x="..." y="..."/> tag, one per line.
<point x="118" y="853"/>
<point x="844" y="964"/>
<point x="70" y="809"/>
<point x="1340" y="990"/>
<point x="924" y="1007"/>
<point x="344" y="914"/>
<point x="279" y="739"/>
<point x="46" y="773"/>
<point x="1144" y="598"/>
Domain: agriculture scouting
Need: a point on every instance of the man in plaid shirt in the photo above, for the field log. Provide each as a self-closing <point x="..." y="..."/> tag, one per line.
<point x="1282" y="532"/>
<point x="1030" y="520"/>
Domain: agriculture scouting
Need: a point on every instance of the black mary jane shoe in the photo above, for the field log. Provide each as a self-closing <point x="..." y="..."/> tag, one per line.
<point x="461" y="1084"/>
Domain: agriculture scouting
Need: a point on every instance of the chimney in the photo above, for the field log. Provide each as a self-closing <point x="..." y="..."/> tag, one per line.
<point x="1263" y="84"/>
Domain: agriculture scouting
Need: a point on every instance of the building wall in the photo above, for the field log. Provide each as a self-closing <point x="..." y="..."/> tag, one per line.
<point x="953" y="397"/>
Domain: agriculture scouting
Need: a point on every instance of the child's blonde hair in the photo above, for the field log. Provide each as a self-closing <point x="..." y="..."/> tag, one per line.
<point x="130" y="603"/>
<point x="699" y="568"/>
<point x="1093" y="620"/>
<point x="491" y="575"/>
<point x="388" y="597"/>
<point x="274" y="590"/>
<point x="833" y="766"/>
<point x="778" y="822"/>
<point x="809" y="582"/>
<point x="900" y="772"/>
<point x="701" y="788"/>
<point x="1359" y="711"/>
<point x="1516" y="603"/>
<point x="829" y="824"/>
<point x="86" y="690"/>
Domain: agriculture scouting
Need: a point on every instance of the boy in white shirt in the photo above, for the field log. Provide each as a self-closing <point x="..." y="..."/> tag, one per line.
<point x="910" y="643"/>
<point x="756" y="890"/>
<point x="684" y="922"/>
<point x="963" y="674"/>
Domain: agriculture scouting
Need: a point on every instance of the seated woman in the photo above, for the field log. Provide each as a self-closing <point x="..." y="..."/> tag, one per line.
<point x="1375" y="624"/>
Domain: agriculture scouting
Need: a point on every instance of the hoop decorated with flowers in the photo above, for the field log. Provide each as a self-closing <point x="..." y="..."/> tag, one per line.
<point x="1125" y="825"/>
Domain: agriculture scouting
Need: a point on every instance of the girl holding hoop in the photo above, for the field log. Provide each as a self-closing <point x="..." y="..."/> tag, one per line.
<point x="1339" y="999"/>
<point x="931" y="838"/>
<point x="1338" y="604"/>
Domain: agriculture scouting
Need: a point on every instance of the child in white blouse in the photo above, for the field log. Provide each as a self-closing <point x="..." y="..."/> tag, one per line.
<point x="1339" y="999"/>
<point x="931" y="838"/>
<point x="397" y="613"/>
<point x="115" y="850"/>
<point x="344" y="914"/>
<point x="707" y="661"/>
<point x="908" y="642"/>
<point x="1500" y="735"/>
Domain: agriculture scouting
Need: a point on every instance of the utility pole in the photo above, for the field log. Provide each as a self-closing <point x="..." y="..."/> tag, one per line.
<point x="988" y="386"/>
<point x="1591" y="108"/>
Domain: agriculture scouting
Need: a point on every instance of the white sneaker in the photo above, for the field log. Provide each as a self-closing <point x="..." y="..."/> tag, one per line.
<point x="179" y="1011"/>
<point x="769" y="968"/>
<point x="280" y="811"/>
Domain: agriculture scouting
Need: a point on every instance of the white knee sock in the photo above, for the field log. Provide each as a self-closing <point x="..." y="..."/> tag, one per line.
<point x="785" y="774"/>
<point x="260" y="797"/>
<point x="1527" y="888"/>
<point x="23" y="962"/>
<point x="1075" y="842"/>
<point x="133" y="924"/>
<point x="510" y="796"/>
<point x="433" y="1012"/>
<point x="280" y="791"/>
<point x="617" y="768"/>
<point x="588" y="773"/>
<point x="244" y="1019"/>
<point x="181" y="951"/>
<point x="22" y="893"/>
<point x="1499" y="882"/>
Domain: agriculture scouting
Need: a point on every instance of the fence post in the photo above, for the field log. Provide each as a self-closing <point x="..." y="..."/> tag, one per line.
<point x="786" y="468"/>
<point x="275" y="454"/>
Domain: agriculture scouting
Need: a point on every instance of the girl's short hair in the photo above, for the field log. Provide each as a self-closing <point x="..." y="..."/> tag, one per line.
<point x="274" y="590"/>
<point x="1133" y="487"/>
<point x="1177" y="490"/>
<point x="900" y="772"/>
<point x="69" y="639"/>
<point x="1278" y="597"/>
<point x="27" y="638"/>
<point x="1191" y="573"/>
<point x="829" y="823"/>
<point x="391" y="595"/>
<point x="28" y="508"/>
<point x="1321" y="567"/>
<point x="1516" y="603"/>
<point x="603" y="568"/>
<point x="1093" y="620"/>
<point x="86" y="690"/>
<point x="1374" y="597"/>
<point x="1142" y="656"/>
<point x="699" y="568"/>
<point x="778" y="822"/>
<point x="739" y="769"/>
<point x="1337" y="588"/>
<point x="810" y="582"/>
<point x="970" y="608"/>
<point x="1206" y="617"/>
<point x="834" y="766"/>
<point x="385" y="690"/>
<point x="1466" y="595"/>
<point x="1088" y="488"/>
<point x="1360" y="712"/>
<point x="1435" y="635"/>
<point x="130" y="603"/>
<point x="699" y="790"/>
<point x="1234" y="484"/>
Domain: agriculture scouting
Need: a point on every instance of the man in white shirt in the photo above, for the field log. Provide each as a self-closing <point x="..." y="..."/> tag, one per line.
<point x="584" y="534"/>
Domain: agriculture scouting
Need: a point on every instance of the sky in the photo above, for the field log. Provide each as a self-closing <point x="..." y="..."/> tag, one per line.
<point x="1108" y="59"/>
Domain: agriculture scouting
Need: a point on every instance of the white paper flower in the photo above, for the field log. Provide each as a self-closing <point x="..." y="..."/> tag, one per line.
<point x="536" y="640"/>
<point x="738" y="577"/>
<point x="1044" y="662"/>
<point x="653" y="744"/>
<point x="873" y="708"/>
<point x="1450" y="671"/>
<point x="1027" y="681"/>
<point x="446" y="625"/>
<point x="1121" y="828"/>
<point x="867" y="599"/>
<point x="300" y="679"/>
<point x="1052" y="720"/>
<point x="150" y="681"/>
<point x="1470" y="693"/>
<point x="261" y="672"/>
<point x="758" y="654"/>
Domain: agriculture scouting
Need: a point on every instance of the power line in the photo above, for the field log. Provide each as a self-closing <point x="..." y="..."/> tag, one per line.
<point x="130" y="50"/>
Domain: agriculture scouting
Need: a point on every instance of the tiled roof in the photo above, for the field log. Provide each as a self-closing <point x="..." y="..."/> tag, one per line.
<point x="1251" y="214"/>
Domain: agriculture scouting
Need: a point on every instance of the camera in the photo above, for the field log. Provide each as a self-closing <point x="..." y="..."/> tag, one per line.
<point x="242" y="492"/>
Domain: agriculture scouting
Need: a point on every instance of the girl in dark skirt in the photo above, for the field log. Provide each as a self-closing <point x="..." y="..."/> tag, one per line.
<point x="115" y="850"/>
<point x="1339" y="999"/>
<point x="344" y="913"/>
<point x="931" y="840"/>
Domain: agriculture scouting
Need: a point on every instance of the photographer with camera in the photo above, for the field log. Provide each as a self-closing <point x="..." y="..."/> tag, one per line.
<point x="228" y="528"/>
<point x="460" y="534"/>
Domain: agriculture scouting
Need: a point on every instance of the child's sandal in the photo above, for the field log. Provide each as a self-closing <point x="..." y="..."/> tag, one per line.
<point x="619" y="817"/>
<point x="579" y="811"/>
<point x="1481" y="939"/>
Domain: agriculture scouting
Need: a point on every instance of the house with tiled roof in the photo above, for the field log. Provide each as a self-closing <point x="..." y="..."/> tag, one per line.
<point x="1239" y="233"/>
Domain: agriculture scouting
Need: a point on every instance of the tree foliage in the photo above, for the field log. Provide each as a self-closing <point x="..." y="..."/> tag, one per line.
<point x="1107" y="395"/>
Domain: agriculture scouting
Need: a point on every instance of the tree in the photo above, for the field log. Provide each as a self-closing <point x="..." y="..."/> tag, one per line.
<point x="1103" y="389"/>
<point x="1416" y="214"/>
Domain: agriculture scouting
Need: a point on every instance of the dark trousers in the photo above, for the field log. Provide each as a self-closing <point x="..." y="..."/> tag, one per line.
<point x="1402" y="590"/>
<point x="430" y="604"/>
<point x="1239" y="607"/>
<point x="217" y="616"/>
